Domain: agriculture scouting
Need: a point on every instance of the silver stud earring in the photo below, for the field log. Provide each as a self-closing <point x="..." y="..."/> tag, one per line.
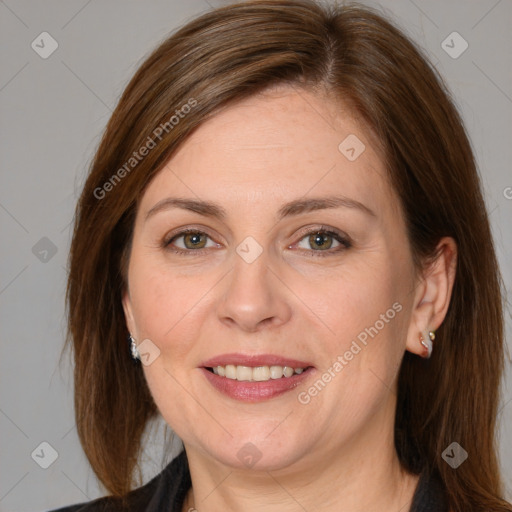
<point x="426" y="341"/>
<point x="133" y="347"/>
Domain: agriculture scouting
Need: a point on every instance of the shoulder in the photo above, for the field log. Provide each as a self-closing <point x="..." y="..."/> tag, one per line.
<point x="165" y="491"/>
<point x="101" y="504"/>
<point x="430" y="495"/>
<point x="134" y="501"/>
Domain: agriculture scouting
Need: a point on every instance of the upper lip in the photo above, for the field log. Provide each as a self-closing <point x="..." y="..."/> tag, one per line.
<point x="254" y="360"/>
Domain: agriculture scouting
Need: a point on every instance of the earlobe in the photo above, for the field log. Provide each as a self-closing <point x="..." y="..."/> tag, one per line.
<point x="432" y="299"/>
<point x="130" y="324"/>
<point x="427" y="340"/>
<point x="128" y="313"/>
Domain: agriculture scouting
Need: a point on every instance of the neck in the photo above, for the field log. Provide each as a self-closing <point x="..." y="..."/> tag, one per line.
<point x="360" y="474"/>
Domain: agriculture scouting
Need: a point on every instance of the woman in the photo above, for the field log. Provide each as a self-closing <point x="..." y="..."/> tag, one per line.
<point x="285" y="221"/>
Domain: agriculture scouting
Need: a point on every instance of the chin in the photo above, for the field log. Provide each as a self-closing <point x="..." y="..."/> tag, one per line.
<point x="257" y="453"/>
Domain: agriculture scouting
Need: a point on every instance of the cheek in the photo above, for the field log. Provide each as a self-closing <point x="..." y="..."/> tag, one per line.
<point x="163" y="300"/>
<point x="167" y="309"/>
<point x="355" y="299"/>
<point x="365" y="313"/>
<point x="365" y="308"/>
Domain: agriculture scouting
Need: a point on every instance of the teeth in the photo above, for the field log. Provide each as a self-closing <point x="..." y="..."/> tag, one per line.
<point x="261" y="373"/>
<point x="230" y="371"/>
<point x="258" y="374"/>
<point x="276" y="372"/>
<point x="243" y="373"/>
<point x="287" y="371"/>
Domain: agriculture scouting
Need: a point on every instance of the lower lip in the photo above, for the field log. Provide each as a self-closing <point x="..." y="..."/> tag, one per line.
<point x="250" y="391"/>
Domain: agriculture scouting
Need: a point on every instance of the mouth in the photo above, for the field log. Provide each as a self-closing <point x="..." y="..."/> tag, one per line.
<point x="255" y="378"/>
<point x="257" y="373"/>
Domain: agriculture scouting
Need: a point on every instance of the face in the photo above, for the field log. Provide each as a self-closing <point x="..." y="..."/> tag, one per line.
<point x="294" y="277"/>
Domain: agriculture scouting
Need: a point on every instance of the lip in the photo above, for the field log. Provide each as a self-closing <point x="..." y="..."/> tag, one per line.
<point x="249" y="391"/>
<point x="253" y="391"/>
<point x="254" y="360"/>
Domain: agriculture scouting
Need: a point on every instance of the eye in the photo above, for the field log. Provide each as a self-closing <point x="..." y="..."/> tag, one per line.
<point x="323" y="240"/>
<point x="319" y="242"/>
<point x="189" y="240"/>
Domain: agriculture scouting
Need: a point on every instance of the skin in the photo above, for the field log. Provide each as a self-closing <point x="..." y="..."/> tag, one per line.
<point x="335" y="453"/>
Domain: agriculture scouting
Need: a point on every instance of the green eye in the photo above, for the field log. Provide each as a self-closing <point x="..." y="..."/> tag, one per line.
<point x="318" y="242"/>
<point x="321" y="240"/>
<point x="191" y="240"/>
<point x="194" y="240"/>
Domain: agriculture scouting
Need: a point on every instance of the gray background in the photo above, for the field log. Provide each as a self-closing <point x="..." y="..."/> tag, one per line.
<point x="53" y="111"/>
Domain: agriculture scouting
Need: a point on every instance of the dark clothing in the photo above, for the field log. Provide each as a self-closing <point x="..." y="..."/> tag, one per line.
<point x="166" y="492"/>
<point x="430" y="495"/>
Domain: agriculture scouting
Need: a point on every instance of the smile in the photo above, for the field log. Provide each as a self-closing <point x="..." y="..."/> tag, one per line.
<point x="255" y="374"/>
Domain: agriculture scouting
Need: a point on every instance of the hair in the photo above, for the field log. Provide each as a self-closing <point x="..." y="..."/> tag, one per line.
<point x="361" y="58"/>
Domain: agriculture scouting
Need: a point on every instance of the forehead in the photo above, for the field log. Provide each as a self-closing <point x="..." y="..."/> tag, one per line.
<point x="279" y="145"/>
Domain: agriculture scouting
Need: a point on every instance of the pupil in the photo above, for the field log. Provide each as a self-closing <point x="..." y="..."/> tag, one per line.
<point x="193" y="239"/>
<point x="319" y="240"/>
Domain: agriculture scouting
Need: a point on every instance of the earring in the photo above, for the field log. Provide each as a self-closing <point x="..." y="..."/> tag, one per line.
<point x="426" y="341"/>
<point x="133" y="347"/>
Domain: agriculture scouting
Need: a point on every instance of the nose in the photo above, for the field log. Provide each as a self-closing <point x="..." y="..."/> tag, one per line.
<point x="255" y="298"/>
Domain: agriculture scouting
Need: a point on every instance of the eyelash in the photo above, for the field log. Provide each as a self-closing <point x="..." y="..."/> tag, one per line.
<point x="344" y="240"/>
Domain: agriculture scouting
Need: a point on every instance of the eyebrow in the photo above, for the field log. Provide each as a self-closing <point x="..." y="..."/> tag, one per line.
<point x="296" y="207"/>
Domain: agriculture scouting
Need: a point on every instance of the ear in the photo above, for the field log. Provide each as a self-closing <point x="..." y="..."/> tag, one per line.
<point x="433" y="294"/>
<point x="128" y="313"/>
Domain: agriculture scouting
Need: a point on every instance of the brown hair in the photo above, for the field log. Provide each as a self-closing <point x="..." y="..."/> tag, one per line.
<point x="357" y="55"/>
